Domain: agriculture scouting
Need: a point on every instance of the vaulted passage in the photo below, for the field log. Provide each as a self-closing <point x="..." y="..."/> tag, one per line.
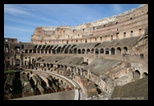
<point x="83" y="51"/>
<point x="79" y="51"/>
<point x="88" y="51"/>
<point x="125" y="50"/>
<point x="136" y="74"/>
<point x="107" y="51"/>
<point x="101" y="50"/>
<point x="96" y="51"/>
<point x="112" y="51"/>
<point x="118" y="50"/>
<point x="144" y="74"/>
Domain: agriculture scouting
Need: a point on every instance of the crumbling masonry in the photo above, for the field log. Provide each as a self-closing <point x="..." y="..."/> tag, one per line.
<point x="98" y="55"/>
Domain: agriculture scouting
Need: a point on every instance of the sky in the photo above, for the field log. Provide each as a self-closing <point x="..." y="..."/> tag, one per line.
<point x="20" y="20"/>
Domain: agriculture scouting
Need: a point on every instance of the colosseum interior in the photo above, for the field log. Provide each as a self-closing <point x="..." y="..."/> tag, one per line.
<point x="106" y="59"/>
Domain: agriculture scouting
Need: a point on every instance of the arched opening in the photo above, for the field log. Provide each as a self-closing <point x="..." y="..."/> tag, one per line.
<point x="38" y="51"/>
<point x="46" y="51"/>
<point x="51" y="65"/>
<point x="118" y="50"/>
<point x="58" y="50"/>
<point x="58" y="66"/>
<point x="107" y="51"/>
<point x="66" y="50"/>
<point x="42" y="50"/>
<point x="34" y="50"/>
<point x="144" y="74"/>
<point x="83" y="51"/>
<point x="101" y="50"/>
<point x="33" y="63"/>
<point x="70" y="51"/>
<point x="79" y="51"/>
<point x="112" y="51"/>
<point x="75" y="50"/>
<point x="62" y="49"/>
<point x="136" y="74"/>
<point x="22" y="46"/>
<point x="92" y="50"/>
<point x="88" y="51"/>
<point x="125" y="49"/>
<point x="53" y="51"/>
<point x="26" y="51"/>
<point x="142" y="56"/>
<point x="96" y="51"/>
<point x="17" y="49"/>
<point x="30" y="51"/>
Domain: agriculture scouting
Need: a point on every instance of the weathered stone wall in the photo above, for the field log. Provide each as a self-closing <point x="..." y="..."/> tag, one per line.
<point x="132" y="23"/>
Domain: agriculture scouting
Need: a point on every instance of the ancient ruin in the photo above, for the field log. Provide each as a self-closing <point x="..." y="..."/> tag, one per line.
<point x="85" y="62"/>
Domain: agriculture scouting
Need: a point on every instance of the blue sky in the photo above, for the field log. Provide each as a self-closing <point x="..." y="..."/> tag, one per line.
<point x="20" y="20"/>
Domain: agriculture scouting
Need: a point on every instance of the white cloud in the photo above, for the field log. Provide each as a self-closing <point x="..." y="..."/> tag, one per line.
<point x="14" y="10"/>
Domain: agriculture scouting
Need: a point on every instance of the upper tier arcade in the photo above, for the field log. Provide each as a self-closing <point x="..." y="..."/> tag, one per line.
<point x="128" y="24"/>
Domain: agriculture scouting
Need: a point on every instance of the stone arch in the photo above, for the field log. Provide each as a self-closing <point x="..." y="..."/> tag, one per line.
<point x="112" y="51"/>
<point x="118" y="50"/>
<point x="70" y="51"/>
<point x="58" y="66"/>
<point x="96" y="51"/>
<point x="88" y="51"/>
<point x="46" y="51"/>
<point x="101" y="50"/>
<point x="33" y="63"/>
<point x="92" y="50"/>
<point x="79" y="51"/>
<point x="50" y="49"/>
<point x="83" y="51"/>
<point x="107" y="51"/>
<point x="42" y="50"/>
<point x="75" y="50"/>
<point x="136" y="74"/>
<point x="145" y="74"/>
<point x="58" y="49"/>
<point x="17" y="48"/>
<point x="66" y="49"/>
<point x="30" y="50"/>
<point x="125" y="49"/>
<point x="53" y="51"/>
<point x="34" y="50"/>
<point x="63" y="48"/>
<point x="26" y="50"/>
